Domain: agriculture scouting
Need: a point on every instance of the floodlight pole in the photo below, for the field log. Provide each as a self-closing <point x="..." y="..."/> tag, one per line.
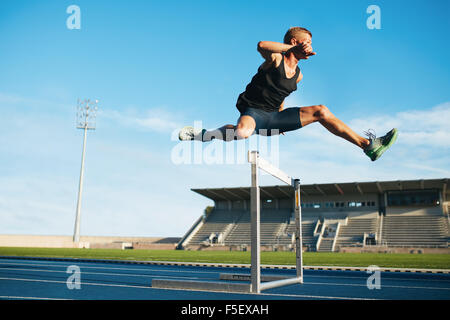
<point x="76" y="236"/>
<point x="87" y="115"/>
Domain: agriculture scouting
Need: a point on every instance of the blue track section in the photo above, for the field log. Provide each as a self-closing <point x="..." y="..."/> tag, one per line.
<point x="47" y="279"/>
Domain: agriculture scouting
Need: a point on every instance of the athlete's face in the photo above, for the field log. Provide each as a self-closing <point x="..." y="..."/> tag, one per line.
<point x="301" y="37"/>
<point x="304" y="39"/>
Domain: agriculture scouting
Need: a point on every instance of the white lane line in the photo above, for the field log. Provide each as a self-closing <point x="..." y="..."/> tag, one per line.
<point x="82" y="283"/>
<point x="30" y="298"/>
<point x="314" y="297"/>
<point x="102" y="273"/>
<point x="363" y="278"/>
<point x="365" y="285"/>
<point x="272" y="294"/>
<point x="107" y="268"/>
<point x="210" y="272"/>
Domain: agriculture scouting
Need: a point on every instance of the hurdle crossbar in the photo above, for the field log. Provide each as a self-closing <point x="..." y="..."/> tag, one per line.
<point x="261" y="163"/>
<point x="255" y="286"/>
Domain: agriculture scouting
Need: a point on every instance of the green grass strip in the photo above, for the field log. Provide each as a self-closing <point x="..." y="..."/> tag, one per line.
<point x="417" y="261"/>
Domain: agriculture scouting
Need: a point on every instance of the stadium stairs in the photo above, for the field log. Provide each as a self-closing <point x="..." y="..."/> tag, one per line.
<point x="352" y="233"/>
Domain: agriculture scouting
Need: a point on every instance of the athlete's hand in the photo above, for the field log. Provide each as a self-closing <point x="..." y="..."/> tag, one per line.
<point x="303" y="50"/>
<point x="307" y="48"/>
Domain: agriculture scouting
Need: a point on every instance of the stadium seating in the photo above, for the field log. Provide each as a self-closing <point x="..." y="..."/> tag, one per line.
<point x="232" y="228"/>
<point x="272" y="221"/>
<point x="217" y="222"/>
<point x="415" y="231"/>
<point x="308" y="226"/>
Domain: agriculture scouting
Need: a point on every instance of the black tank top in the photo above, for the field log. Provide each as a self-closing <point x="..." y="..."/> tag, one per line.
<point x="268" y="89"/>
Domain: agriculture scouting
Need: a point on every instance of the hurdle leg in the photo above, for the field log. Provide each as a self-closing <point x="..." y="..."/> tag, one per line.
<point x="255" y="228"/>
<point x="298" y="231"/>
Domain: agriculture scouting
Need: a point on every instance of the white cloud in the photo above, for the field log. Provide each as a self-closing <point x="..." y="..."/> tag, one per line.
<point x="156" y="119"/>
<point x="417" y="128"/>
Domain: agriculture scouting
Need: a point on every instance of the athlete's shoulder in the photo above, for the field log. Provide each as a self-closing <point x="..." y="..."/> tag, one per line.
<point x="278" y="57"/>
<point x="273" y="60"/>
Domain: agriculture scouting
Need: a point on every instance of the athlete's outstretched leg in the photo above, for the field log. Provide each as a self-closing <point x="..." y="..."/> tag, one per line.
<point x="225" y="133"/>
<point x="245" y="127"/>
<point x="373" y="147"/>
<point x="321" y="114"/>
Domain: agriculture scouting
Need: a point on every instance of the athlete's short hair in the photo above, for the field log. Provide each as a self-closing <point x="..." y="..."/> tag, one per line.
<point x="293" y="31"/>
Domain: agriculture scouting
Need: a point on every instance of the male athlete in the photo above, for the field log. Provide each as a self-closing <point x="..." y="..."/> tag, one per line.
<point x="261" y="105"/>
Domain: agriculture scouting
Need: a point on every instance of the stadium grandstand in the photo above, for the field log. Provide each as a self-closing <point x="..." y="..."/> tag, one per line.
<point x="335" y="217"/>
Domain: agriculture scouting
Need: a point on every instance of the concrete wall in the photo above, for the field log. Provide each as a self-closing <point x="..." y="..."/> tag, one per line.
<point x="414" y="211"/>
<point x="154" y="246"/>
<point x="39" y="241"/>
<point x="341" y="213"/>
<point x="239" y="248"/>
<point x="395" y="250"/>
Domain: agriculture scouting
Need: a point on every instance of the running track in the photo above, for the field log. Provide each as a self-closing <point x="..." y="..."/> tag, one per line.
<point x="35" y="278"/>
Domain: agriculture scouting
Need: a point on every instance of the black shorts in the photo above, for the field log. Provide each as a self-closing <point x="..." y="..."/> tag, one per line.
<point x="273" y="123"/>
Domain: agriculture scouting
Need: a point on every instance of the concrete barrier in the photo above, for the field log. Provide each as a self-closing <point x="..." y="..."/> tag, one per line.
<point x="103" y="242"/>
<point x="201" y="285"/>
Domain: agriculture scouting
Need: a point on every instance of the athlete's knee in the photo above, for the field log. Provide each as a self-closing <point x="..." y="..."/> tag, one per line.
<point x="243" y="132"/>
<point x="323" y="113"/>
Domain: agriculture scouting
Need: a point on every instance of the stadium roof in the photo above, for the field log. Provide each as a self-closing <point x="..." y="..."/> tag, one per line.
<point x="326" y="189"/>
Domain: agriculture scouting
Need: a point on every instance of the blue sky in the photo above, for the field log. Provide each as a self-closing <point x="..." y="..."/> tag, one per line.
<point x="156" y="66"/>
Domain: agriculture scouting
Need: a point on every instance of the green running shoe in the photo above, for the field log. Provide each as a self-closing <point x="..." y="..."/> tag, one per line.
<point x="378" y="146"/>
<point x="189" y="133"/>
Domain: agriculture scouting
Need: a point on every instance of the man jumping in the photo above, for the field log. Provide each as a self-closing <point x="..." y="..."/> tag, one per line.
<point x="261" y="105"/>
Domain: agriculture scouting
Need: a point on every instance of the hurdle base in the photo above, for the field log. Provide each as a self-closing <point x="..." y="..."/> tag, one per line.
<point x="279" y="283"/>
<point x="247" y="277"/>
<point x="201" y="286"/>
<point x="267" y="281"/>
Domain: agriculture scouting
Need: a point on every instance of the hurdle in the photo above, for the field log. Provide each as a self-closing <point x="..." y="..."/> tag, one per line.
<point x="256" y="284"/>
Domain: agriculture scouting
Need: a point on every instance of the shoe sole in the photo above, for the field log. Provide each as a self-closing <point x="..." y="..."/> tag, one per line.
<point x="383" y="148"/>
<point x="183" y="130"/>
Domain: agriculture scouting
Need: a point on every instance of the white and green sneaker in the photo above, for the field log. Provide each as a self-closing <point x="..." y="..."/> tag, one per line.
<point x="378" y="146"/>
<point x="190" y="133"/>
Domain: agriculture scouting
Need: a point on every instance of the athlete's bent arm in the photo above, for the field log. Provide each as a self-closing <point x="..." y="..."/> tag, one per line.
<point x="269" y="49"/>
